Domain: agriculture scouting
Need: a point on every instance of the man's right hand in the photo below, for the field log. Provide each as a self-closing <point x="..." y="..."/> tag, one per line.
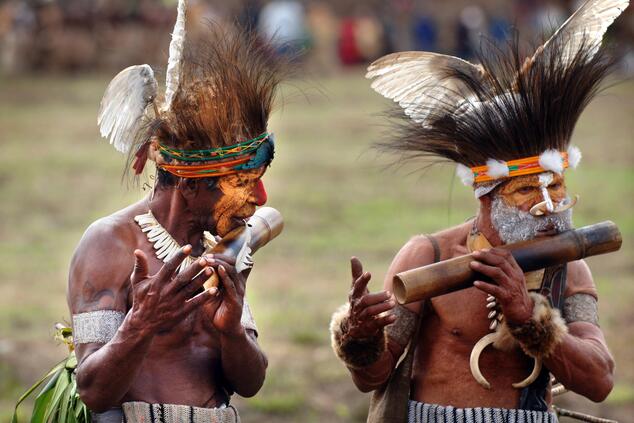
<point x="163" y="300"/>
<point x="365" y="319"/>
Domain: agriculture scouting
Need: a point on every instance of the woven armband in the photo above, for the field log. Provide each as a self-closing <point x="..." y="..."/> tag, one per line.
<point x="581" y="308"/>
<point x="96" y="326"/>
<point x="402" y="330"/>
<point x="540" y="335"/>
<point x="356" y="353"/>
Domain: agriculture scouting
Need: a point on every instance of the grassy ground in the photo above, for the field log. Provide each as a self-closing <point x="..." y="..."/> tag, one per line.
<point x="339" y="198"/>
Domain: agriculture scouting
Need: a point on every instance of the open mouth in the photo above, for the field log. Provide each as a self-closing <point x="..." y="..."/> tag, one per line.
<point x="548" y="230"/>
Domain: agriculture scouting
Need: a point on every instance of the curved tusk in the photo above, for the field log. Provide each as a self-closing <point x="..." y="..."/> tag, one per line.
<point x="538" y="209"/>
<point x="485" y="341"/>
<point x="537" y="367"/>
<point x="567" y="206"/>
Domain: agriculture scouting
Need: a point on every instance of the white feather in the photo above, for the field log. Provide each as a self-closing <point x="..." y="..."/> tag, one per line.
<point x="465" y="174"/>
<point x="497" y="169"/>
<point x="586" y="27"/>
<point x="123" y="105"/>
<point x="551" y="160"/>
<point x="417" y="81"/>
<point x="243" y="259"/>
<point x="574" y="156"/>
<point x="172" y="75"/>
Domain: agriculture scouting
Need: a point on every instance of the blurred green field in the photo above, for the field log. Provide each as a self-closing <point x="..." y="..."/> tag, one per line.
<point x="339" y="198"/>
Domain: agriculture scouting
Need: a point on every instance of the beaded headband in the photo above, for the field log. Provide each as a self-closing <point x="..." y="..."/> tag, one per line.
<point x="221" y="161"/>
<point x="486" y="177"/>
<point x="519" y="167"/>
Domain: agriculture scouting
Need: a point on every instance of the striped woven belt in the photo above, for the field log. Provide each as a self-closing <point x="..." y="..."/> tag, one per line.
<point x="431" y="413"/>
<point x="142" y="412"/>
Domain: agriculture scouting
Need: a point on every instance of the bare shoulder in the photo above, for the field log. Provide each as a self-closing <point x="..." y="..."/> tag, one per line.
<point x="101" y="264"/>
<point x="579" y="279"/>
<point x="420" y="250"/>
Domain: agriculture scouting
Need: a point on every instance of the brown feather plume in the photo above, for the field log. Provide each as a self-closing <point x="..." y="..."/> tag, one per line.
<point x="229" y="80"/>
<point x="512" y="110"/>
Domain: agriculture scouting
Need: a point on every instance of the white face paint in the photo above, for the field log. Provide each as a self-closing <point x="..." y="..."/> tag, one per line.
<point x="514" y="225"/>
<point x="546" y="179"/>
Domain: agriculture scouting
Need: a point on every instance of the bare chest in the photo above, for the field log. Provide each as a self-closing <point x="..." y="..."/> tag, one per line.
<point x="462" y="314"/>
<point x="193" y="332"/>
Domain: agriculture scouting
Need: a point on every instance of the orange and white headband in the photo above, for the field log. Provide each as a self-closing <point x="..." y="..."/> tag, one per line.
<point x="486" y="177"/>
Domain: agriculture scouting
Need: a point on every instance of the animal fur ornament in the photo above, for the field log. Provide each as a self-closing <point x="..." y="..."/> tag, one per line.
<point x="220" y="90"/>
<point x="510" y="115"/>
<point x="538" y="338"/>
<point x="355" y="353"/>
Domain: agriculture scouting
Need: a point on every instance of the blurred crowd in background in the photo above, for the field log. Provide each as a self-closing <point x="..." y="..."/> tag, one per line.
<point x="88" y="35"/>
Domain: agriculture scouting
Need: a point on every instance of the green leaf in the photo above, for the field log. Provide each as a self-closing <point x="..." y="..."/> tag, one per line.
<point x="24" y="396"/>
<point x="54" y="404"/>
<point x="71" y="362"/>
<point x="87" y="416"/>
<point x="65" y="404"/>
<point x="41" y="406"/>
<point x="78" y="408"/>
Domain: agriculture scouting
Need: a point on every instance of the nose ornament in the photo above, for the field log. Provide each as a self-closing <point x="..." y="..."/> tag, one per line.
<point x="541" y="209"/>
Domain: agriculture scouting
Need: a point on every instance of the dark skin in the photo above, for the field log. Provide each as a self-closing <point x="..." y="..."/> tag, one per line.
<point x="176" y="345"/>
<point x="453" y="323"/>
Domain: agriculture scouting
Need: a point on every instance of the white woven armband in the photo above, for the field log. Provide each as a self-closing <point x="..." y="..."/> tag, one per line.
<point x="581" y="308"/>
<point x="96" y="326"/>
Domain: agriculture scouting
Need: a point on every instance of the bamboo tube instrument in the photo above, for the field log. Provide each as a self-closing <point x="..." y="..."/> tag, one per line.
<point x="454" y="274"/>
<point x="265" y="225"/>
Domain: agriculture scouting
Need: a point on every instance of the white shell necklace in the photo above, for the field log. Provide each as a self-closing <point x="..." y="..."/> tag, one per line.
<point x="164" y="244"/>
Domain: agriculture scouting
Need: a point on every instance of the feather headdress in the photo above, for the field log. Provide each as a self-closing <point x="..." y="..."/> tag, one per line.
<point x="220" y="90"/>
<point x="508" y="115"/>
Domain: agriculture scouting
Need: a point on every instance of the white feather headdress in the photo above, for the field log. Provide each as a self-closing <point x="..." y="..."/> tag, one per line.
<point x="503" y="109"/>
<point x="126" y="100"/>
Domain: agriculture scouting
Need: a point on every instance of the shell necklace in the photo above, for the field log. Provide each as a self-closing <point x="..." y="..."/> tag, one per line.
<point x="165" y="246"/>
<point x="477" y="241"/>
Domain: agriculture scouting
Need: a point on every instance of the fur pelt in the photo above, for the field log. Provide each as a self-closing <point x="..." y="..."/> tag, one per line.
<point x="354" y="352"/>
<point x="542" y="333"/>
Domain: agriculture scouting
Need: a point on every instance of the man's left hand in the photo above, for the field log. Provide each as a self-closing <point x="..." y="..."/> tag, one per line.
<point x="509" y="285"/>
<point x="226" y="313"/>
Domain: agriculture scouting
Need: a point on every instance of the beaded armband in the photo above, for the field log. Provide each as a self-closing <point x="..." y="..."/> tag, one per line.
<point x="96" y="326"/>
<point x="581" y="308"/>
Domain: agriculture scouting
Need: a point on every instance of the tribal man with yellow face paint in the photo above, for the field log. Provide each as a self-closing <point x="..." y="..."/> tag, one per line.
<point x="152" y="344"/>
<point x="507" y="124"/>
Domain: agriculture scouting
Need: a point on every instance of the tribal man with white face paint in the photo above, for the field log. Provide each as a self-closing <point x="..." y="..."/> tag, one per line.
<point x="507" y="123"/>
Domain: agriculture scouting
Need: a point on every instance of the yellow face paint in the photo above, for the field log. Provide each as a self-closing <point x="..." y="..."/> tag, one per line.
<point x="238" y="199"/>
<point x="523" y="192"/>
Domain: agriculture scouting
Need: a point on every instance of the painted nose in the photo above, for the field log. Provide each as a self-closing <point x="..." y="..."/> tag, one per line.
<point x="259" y="193"/>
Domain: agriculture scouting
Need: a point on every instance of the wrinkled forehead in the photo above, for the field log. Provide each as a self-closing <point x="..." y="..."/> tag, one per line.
<point x="243" y="178"/>
<point x="530" y="181"/>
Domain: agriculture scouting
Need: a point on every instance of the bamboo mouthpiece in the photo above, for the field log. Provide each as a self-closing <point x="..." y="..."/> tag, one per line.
<point x="455" y="274"/>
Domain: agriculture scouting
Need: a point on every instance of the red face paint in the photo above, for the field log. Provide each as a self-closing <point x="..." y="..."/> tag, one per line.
<point x="260" y="193"/>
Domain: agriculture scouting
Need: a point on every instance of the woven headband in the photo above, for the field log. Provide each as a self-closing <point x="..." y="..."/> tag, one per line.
<point x="221" y="161"/>
<point x="495" y="170"/>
